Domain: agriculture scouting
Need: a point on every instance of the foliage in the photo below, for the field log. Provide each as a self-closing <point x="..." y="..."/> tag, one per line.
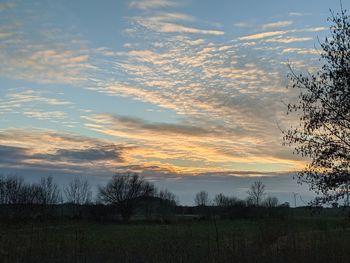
<point x="323" y="134"/>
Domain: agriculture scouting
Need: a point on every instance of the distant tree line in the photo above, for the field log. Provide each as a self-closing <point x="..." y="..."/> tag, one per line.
<point x="126" y="195"/>
<point x="257" y="197"/>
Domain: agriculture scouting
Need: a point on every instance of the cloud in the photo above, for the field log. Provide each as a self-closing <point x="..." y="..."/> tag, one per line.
<point x="243" y="24"/>
<point x="276" y="25"/>
<point x="153" y="127"/>
<point x="287" y="40"/>
<point x="34" y="104"/>
<point x="301" y="51"/>
<point x="313" y="29"/>
<point x="298" y="14"/>
<point x="94" y="153"/>
<point x="20" y="97"/>
<point x="49" y="150"/>
<point x="5" y="6"/>
<point x="175" y="28"/>
<point x="224" y="97"/>
<point x="230" y="89"/>
<point x="263" y="35"/>
<point x="151" y="4"/>
<point x="44" y="55"/>
<point x="168" y="23"/>
<point x="280" y="34"/>
<point x="185" y="148"/>
<point x="45" y="115"/>
<point x="47" y="65"/>
<point x="11" y="155"/>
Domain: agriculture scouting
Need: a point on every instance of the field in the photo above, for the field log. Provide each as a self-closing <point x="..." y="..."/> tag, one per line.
<point x="293" y="239"/>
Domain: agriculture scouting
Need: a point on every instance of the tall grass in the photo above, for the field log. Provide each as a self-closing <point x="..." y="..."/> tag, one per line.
<point x="260" y="240"/>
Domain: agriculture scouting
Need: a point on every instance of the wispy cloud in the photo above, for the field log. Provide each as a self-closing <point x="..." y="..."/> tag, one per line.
<point x="302" y="51"/>
<point x="36" y="105"/>
<point x="169" y="23"/>
<point x="8" y="5"/>
<point x="263" y="35"/>
<point x="45" y="115"/>
<point x="48" y="55"/>
<point x="244" y="24"/>
<point x="298" y="14"/>
<point x="152" y="4"/>
<point x="280" y="34"/>
<point x="287" y="40"/>
<point x="276" y="25"/>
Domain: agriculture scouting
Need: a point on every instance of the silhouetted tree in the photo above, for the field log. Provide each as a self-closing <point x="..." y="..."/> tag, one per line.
<point x="3" y="197"/>
<point x="202" y="198"/>
<point x="13" y="190"/>
<point x="123" y="190"/>
<point x="270" y="201"/>
<point x="48" y="192"/>
<point x="256" y="193"/>
<point x="78" y="191"/>
<point x="168" y="196"/>
<point x="168" y="202"/>
<point x="225" y="201"/>
<point x="323" y="134"/>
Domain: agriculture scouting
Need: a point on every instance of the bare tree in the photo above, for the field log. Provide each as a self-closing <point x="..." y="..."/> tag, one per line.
<point x="13" y="187"/>
<point x="256" y="193"/>
<point x="13" y="190"/>
<point x="202" y="198"/>
<point x="168" y="203"/>
<point x="123" y="190"/>
<point x="168" y="196"/>
<point x="78" y="191"/>
<point x="48" y="192"/>
<point x="270" y="201"/>
<point x="226" y="201"/>
<point x="3" y="195"/>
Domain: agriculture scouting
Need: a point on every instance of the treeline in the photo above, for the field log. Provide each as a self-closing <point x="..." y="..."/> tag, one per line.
<point x="125" y="196"/>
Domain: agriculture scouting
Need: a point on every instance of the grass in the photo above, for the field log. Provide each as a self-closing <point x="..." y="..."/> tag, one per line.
<point x="302" y="239"/>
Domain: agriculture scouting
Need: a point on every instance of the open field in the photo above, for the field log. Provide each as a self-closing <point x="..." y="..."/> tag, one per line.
<point x="299" y="239"/>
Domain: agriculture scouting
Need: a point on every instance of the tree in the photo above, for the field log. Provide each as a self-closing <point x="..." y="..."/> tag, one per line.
<point x="13" y="190"/>
<point x="270" y="202"/>
<point x="168" y="203"/>
<point x="47" y="191"/>
<point x="226" y="201"/>
<point x="78" y="191"/>
<point x="168" y="197"/>
<point x="323" y="106"/>
<point x="202" y="198"/>
<point x="123" y="190"/>
<point x="2" y="190"/>
<point x="256" y="193"/>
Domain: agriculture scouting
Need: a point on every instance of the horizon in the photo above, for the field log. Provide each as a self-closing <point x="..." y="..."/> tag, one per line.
<point x="190" y="99"/>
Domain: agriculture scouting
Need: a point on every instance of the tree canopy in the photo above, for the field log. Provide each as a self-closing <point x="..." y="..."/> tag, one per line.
<point x="323" y="108"/>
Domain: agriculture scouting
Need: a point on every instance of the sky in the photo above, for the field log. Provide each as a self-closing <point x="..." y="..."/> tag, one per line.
<point x="190" y="94"/>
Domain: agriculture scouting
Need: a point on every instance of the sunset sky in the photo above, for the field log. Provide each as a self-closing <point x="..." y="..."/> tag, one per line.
<point x="189" y="93"/>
